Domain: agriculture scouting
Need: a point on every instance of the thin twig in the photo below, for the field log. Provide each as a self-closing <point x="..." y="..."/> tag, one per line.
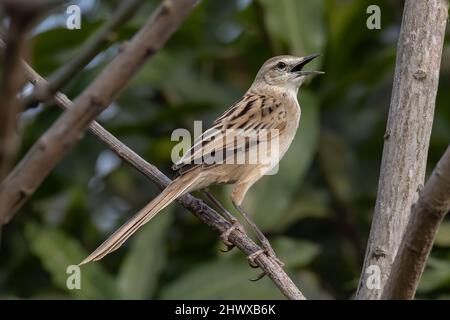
<point x="200" y="209"/>
<point x="426" y="216"/>
<point x="43" y="156"/>
<point x="407" y="136"/>
<point x="95" y="44"/>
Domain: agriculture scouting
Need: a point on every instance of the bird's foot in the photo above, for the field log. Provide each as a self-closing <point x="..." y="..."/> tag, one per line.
<point x="251" y="258"/>
<point x="268" y="250"/>
<point x="251" y="261"/>
<point x="235" y="225"/>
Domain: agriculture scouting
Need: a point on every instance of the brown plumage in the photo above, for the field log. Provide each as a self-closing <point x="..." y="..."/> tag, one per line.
<point x="270" y="109"/>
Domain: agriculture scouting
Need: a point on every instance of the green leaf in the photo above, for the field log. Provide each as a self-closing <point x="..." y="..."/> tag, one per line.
<point x="310" y="285"/>
<point x="228" y="278"/>
<point x="295" y="253"/>
<point x="341" y="19"/>
<point x="337" y="163"/>
<point x="57" y="251"/>
<point x="63" y="43"/>
<point x="443" y="235"/>
<point x="310" y="203"/>
<point x="180" y="80"/>
<point x="271" y="196"/>
<point x="145" y="259"/>
<point x="221" y="280"/>
<point x="300" y="24"/>
<point x="436" y="276"/>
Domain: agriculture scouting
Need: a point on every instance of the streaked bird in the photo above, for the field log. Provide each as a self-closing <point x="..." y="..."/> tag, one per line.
<point x="270" y="109"/>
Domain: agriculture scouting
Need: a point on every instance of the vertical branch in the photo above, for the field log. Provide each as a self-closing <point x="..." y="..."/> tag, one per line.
<point x="22" y="14"/>
<point x="407" y="135"/>
<point x="12" y="79"/>
<point x="426" y="216"/>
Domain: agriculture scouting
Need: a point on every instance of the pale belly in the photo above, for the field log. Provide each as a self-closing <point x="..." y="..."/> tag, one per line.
<point x="285" y="141"/>
<point x="249" y="170"/>
<point x="268" y="155"/>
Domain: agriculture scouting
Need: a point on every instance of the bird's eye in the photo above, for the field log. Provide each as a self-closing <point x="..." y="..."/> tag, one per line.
<point x="281" y="65"/>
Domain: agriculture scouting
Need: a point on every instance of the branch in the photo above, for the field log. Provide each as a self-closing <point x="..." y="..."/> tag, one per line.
<point x="26" y="177"/>
<point x="426" y="215"/>
<point x="196" y="206"/>
<point x="12" y="77"/>
<point x="90" y="49"/>
<point x="407" y="135"/>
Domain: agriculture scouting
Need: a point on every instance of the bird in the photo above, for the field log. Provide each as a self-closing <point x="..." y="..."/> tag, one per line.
<point x="271" y="109"/>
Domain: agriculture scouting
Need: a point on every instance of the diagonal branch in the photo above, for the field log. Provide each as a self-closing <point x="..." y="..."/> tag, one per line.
<point x="196" y="206"/>
<point x="426" y="215"/>
<point x="96" y="43"/>
<point x="407" y="136"/>
<point x="26" y="177"/>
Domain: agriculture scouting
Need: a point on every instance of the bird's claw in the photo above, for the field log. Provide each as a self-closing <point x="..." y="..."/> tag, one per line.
<point x="267" y="248"/>
<point x="259" y="277"/>
<point x="272" y="255"/>
<point x="251" y="261"/>
<point x="251" y="258"/>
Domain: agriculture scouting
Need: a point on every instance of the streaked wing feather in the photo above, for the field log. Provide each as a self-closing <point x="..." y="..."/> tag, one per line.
<point x="252" y="112"/>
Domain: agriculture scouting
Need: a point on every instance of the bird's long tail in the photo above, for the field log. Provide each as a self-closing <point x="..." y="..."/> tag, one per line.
<point x="178" y="187"/>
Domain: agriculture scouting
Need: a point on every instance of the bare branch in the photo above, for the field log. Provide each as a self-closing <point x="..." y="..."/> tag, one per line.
<point x="26" y="177"/>
<point x="196" y="206"/>
<point x="407" y="134"/>
<point x="95" y="44"/>
<point x="426" y="216"/>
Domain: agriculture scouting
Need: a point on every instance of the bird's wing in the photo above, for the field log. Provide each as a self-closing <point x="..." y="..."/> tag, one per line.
<point x="253" y="114"/>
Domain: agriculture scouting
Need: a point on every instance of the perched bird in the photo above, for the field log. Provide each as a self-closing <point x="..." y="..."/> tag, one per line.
<point x="269" y="108"/>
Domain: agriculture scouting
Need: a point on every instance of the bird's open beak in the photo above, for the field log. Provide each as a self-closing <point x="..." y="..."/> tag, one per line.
<point x="297" y="69"/>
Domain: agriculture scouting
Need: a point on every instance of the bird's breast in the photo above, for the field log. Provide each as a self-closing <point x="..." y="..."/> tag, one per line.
<point x="293" y="113"/>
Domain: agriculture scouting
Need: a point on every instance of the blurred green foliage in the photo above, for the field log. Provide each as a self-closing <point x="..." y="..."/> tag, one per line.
<point x="316" y="210"/>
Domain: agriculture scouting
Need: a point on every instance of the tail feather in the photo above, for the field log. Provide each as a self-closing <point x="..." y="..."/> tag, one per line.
<point x="177" y="188"/>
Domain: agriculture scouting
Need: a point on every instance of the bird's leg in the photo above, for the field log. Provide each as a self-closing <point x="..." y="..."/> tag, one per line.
<point x="235" y="224"/>
<point x="261" y="237"/>
<point x="217" y="203"/>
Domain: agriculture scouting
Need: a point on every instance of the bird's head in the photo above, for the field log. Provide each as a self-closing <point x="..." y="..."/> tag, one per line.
<point x="285" y="72"/>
